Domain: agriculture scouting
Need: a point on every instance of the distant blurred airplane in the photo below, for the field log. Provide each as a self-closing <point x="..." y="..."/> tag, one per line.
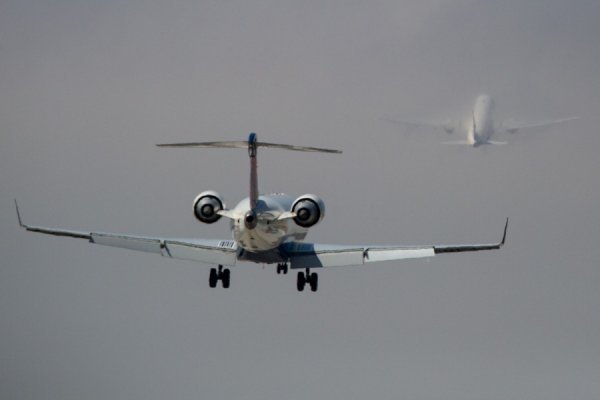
<point x="480" y="126"/>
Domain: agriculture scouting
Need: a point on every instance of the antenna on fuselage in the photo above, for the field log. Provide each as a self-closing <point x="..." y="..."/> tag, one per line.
<point x="252" y="144"/>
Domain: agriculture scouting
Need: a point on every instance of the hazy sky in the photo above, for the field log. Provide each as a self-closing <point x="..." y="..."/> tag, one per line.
<point x="88" y="87"/>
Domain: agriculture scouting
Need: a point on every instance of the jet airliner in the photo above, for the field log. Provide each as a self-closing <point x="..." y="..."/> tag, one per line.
<point x="266" y="229"/>
<point x="480" y="126"/>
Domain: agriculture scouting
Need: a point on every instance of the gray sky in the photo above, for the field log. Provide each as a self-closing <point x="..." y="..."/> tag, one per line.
<point x="88" y="87"/>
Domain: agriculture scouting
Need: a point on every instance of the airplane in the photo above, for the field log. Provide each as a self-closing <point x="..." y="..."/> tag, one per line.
<point x="266" y="229"/>
<point x="480" y="126"/>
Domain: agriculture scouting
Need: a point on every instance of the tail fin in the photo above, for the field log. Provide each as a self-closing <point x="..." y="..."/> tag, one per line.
<point x="252" y="144"/>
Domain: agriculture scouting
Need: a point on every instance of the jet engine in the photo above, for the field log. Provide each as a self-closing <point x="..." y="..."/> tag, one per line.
<point x="450" y="126"/>
<point x="206" y="206"/>
<point x="309" y="209"/>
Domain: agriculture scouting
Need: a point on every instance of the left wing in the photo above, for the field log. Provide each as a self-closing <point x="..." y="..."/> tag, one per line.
<point x="215" y="252"/>
<point x="448" y="126"/>
<point x="309" y="255"/>
<point x="514" y="126"/>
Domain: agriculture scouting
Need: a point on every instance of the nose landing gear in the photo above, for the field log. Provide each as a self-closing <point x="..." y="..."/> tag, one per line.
<point x="223" y="275"/>
<point x="282" y="269"/>
<point x="311" y="278"/>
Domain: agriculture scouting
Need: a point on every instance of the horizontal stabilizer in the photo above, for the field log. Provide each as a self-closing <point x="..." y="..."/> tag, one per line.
<point x="459" y="142"/>
<point x="476" y="144"/>
<point x="237" y="144"/>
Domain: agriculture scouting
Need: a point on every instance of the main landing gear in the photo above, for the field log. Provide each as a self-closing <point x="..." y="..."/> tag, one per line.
<point x="303" y="278"/>
<point x="223" y="275"/>
<point x="311" y="279"/>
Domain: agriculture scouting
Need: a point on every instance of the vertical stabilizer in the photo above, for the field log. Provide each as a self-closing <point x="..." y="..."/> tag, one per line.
<point x="253" y="170"/>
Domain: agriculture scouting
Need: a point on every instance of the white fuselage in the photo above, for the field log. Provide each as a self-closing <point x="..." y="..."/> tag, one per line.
<point x="269" y="232"/>
<point x="481" y="128"/>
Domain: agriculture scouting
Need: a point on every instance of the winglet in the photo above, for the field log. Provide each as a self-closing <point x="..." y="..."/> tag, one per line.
<point x="504" y="236"/>
<point x="21" y="224"/>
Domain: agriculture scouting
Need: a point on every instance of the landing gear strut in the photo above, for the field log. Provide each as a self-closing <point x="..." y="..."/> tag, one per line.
<point x="304" y="278"/>
<point x="223" y="275"/>
<point x="282" y="268"/>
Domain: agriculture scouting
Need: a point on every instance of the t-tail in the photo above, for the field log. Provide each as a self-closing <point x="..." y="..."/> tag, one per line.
<point x="474" y="132"/>
<point x="252" y="145"/>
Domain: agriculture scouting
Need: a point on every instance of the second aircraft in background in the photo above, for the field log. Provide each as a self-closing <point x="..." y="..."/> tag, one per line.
<point x="480" y="126"/>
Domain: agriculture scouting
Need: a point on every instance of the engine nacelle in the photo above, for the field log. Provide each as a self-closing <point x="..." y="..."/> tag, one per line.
<point x="206" y="206"/>
<point x="450" y="126"/>
<point x="309" y="209"/>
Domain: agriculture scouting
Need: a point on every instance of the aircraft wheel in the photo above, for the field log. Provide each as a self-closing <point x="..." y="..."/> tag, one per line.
<point x="282" y="269"/>
<point x="301" y="282"/>
<point x="213" y="278"/>
<point x="226" y="278"/>
<point x="314" y="281"/>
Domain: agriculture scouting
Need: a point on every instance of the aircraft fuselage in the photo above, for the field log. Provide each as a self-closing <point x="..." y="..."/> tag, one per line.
<point x="481" y="128"/>
<point x="267" y="232"/>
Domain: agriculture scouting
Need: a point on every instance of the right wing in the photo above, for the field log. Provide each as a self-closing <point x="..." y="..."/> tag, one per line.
<point x="309" y="255"/>
<point x="215" y="252"/>
<point x="514" y="126"/>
